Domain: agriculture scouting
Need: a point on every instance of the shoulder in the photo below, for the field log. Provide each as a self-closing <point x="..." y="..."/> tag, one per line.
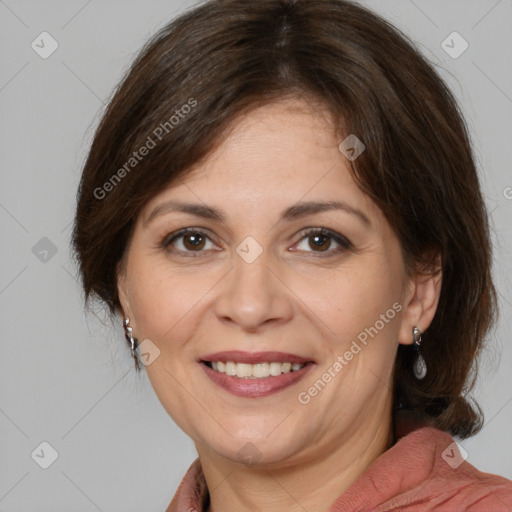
<point x="467" y="488"/>
<point x="426" y="470"/>
<point x="452" y="483"/>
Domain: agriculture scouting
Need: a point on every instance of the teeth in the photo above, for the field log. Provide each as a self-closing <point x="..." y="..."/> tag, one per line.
<point x="243" y="370"/>
<point x="275" y="369"/>
<point x="230" y="368"/>
<point x="254" y="371"/>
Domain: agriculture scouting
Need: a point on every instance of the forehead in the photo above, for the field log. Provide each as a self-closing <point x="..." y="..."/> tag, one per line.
<point x="277" y="153"/>
<point x="286" y="131"/>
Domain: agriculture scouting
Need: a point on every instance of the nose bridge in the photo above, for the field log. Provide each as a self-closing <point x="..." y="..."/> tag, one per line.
<point x="252" y="294"/>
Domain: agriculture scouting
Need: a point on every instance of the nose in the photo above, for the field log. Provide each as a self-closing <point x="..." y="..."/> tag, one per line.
<point x="252" y="295"/>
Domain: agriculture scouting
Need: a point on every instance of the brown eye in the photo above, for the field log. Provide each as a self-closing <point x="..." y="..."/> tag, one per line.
<point x="193" y="241"/>
<point x="319" y="242"/>
<point x="322" y="240"/>
<point x="188" y="241"/>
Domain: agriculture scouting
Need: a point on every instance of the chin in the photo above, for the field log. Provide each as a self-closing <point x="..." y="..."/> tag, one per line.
<point x="257" y="452"/>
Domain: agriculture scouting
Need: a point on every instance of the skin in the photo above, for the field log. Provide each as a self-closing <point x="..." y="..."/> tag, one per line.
<point x="293" y="298"/>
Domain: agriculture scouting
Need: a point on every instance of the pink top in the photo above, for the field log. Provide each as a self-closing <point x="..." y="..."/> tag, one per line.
<point x="422" y="472"/>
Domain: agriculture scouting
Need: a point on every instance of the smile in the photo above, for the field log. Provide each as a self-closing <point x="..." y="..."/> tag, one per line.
<point x="252" y="386"/>
<point x="254" y="371"/>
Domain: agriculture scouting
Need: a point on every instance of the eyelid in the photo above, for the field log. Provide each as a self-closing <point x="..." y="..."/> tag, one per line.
<point x="340" y="239"/>
<point x="167" y="239"/>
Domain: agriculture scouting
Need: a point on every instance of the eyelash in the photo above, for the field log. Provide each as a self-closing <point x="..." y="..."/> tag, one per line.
<point x="344" y="243"/>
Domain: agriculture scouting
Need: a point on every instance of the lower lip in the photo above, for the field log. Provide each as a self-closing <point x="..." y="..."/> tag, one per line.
<point x="256" y="388"/>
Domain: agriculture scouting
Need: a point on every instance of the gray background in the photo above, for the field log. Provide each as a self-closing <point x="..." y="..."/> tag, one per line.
<point x="66" y="377"/>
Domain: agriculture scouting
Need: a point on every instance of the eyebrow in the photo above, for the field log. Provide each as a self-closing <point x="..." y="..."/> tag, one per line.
<point x="294" y="212"/>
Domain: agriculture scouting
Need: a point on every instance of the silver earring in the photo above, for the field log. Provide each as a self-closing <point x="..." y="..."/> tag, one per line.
<point x="128" y="331"/>
<point x="420" y="367"/>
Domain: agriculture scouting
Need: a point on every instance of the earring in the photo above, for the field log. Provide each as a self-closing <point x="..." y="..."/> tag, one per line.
<point x="420" y="367"/>
<point x="128" y="331"/>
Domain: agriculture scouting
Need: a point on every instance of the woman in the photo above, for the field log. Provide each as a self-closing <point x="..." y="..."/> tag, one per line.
<point x="281" y="206"/>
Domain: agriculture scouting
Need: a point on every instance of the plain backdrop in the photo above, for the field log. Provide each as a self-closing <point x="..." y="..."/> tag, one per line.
<point x="66" y="377"/>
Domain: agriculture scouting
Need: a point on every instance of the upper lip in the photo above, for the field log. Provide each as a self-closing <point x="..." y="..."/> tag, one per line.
<point x="239" y="356"/>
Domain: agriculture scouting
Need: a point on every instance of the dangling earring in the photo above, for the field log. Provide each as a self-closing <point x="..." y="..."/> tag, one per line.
<point x="420" y="367"/>
<point x="128" y="332"/>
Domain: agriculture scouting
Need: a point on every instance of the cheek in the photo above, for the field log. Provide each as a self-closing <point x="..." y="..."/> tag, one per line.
<point x="162" y="297"/>
<point x="361" y="311"/>
<point x="360" y="306"/>
<point x="351" y="298"/>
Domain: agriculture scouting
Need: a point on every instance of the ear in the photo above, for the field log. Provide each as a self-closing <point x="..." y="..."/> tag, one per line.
<point x="420" y="305"/>
<point x="122" y="290"/>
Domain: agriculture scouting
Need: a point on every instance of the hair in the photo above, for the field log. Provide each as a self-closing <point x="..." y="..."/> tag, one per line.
<point x="219" y="60"/>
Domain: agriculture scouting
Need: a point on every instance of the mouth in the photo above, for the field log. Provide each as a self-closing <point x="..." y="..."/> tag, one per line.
<point x="254" y="365"/>
<point x="254" y="374"/>
<point x="253" y="371"/>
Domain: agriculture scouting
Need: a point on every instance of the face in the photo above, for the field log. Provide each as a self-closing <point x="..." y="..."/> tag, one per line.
<point x="265" y="265"/>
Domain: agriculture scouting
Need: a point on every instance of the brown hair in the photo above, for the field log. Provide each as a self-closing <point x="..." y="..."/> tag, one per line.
<point x="223" y="58"/>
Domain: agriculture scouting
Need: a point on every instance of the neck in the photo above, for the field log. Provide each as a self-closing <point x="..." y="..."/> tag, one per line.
<point x="312" y="484"/>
